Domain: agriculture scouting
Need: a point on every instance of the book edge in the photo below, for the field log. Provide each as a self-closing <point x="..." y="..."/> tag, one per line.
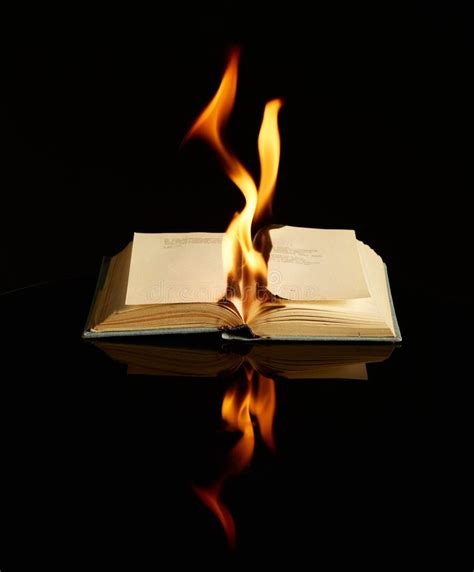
<point x="396" y="327"/>
<point x="155" y="332"/>
<point x="103" y="271"/>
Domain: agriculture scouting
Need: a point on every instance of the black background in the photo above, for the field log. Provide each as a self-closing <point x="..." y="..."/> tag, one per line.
<point x="376" y="136"/>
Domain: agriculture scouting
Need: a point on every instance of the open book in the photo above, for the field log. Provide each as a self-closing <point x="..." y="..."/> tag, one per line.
<point x="289" y="361"/>
<point x="323" y="285"/>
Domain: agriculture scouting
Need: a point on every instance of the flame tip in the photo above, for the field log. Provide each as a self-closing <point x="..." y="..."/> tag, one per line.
<point x="235" y="50"/>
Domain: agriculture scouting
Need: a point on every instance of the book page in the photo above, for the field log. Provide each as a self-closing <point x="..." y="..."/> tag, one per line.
<point x="171" y="268"/>
<point x="377" y="279"/>
<point x="315" y="264"/>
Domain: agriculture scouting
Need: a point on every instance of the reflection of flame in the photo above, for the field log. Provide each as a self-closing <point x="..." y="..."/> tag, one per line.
<point x="255" y="399"/>
<point x="262" y="406"/>
<point x="238" y="250"/>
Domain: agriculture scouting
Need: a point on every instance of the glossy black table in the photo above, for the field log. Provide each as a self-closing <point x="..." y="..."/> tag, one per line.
<point x="100" y="463"/>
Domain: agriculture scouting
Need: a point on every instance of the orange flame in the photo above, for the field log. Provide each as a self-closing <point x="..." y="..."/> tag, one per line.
<point x="246" y="268"/>
<point x="211" y="498"/>
<point x="244" y="265"/>
<point x="262" y="406"/>
<point x="256" y="398"/>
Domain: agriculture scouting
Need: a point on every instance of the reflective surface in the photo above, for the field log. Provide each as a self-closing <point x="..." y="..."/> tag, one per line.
<point x="105" y="443"/>
<point x="249" y="403"/>
<point x="97" y="465"/>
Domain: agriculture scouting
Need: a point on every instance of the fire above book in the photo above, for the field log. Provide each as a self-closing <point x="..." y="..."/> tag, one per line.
<point x="282" y="283"/>
<point x="320" y="285"/>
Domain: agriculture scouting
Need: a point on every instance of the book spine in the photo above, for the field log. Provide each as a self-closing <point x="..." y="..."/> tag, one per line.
<point x="242" y="332"/>
<point x="104" y="267"/>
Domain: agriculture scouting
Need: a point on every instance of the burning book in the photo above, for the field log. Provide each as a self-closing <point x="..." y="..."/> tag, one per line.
<point x="280" y="282"/>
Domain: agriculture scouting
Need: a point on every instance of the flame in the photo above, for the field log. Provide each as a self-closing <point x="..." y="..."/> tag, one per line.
<point x="255" y="398"/>
<point x="246" y="269"/>
<point x="244" y="265"/>
<point x="211" y="498"/>
<point x="236" y="408"/>
<point x="269" y="153"/>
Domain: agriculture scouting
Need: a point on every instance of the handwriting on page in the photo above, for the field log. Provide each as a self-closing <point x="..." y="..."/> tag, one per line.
<point x="290" y="255"/>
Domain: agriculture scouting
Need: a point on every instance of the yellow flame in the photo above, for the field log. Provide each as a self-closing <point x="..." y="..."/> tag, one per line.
<point x="269" y="153"/>
<point x="238" y="250"/>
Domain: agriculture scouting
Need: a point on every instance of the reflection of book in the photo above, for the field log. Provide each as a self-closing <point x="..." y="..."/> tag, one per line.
<point x="324" y="284"/>
<point x="292" y="361"/>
